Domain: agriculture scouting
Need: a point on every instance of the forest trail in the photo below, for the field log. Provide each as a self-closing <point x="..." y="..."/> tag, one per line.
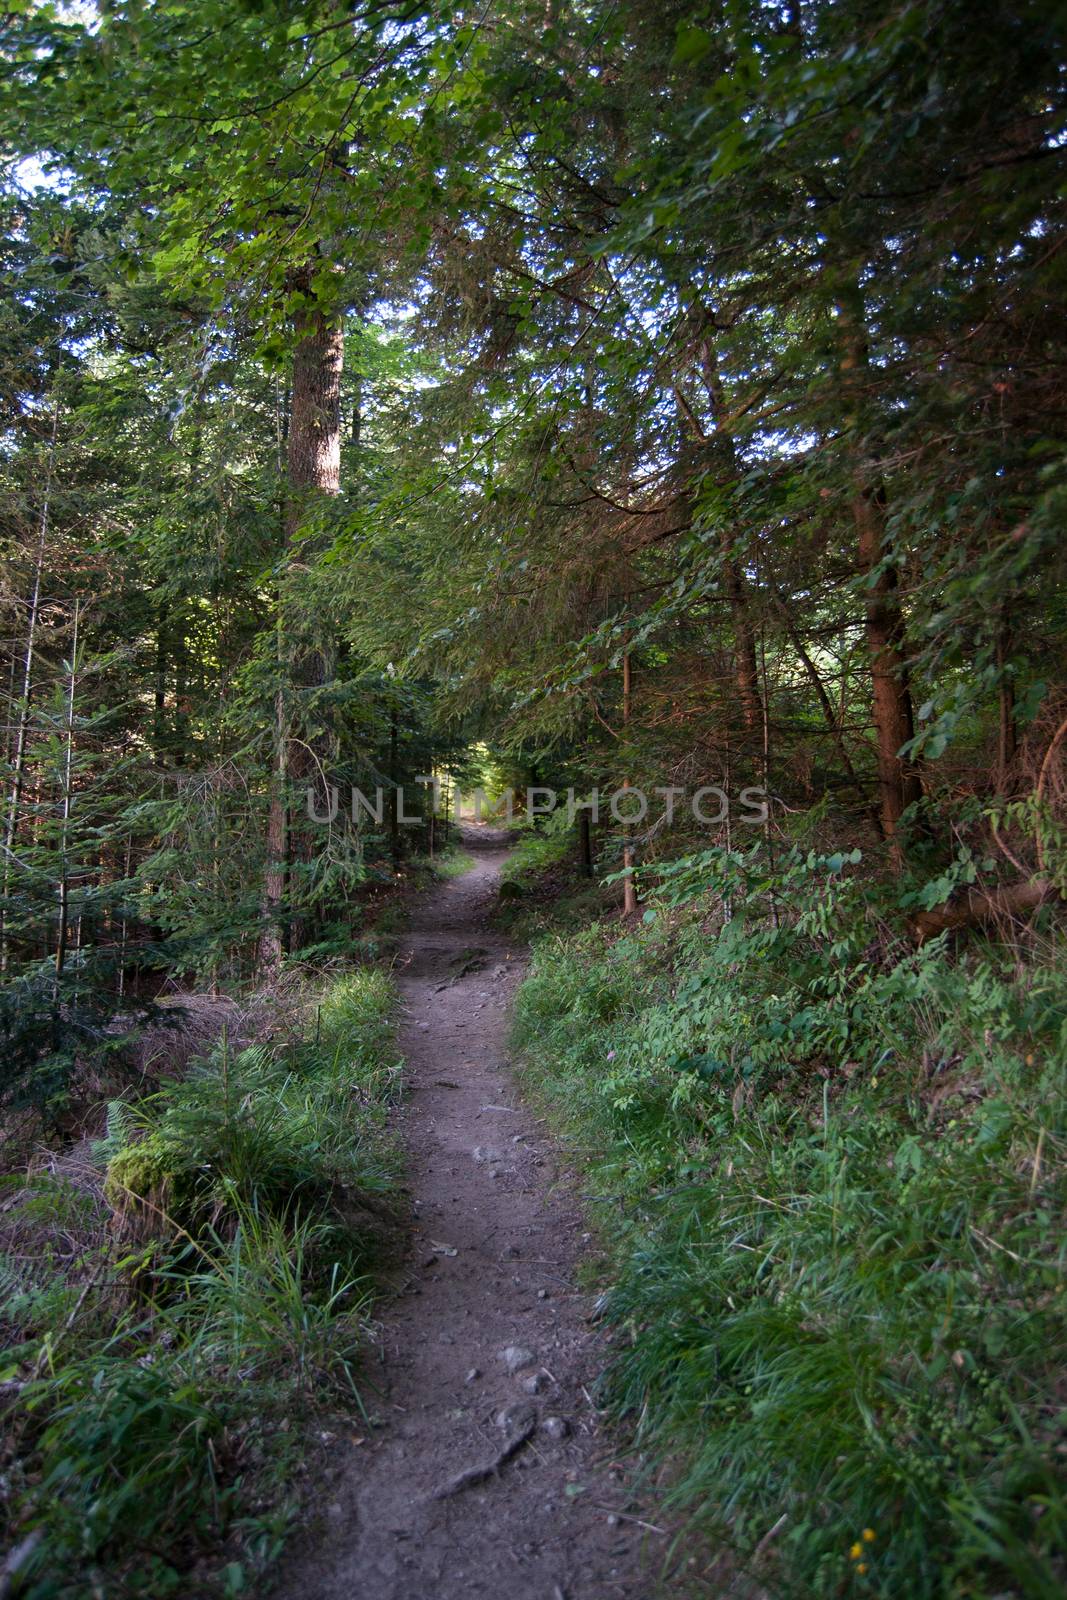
<point x="492" y="1270"/>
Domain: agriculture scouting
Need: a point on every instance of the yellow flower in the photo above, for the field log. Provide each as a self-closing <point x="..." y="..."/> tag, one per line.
<point x="869" y="1536"/>
<point x="856" y="1551"/>
<point x="861" y="1567"/>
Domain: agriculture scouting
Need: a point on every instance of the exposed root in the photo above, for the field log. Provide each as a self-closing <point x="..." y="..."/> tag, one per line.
<point x="488" y="1469"/>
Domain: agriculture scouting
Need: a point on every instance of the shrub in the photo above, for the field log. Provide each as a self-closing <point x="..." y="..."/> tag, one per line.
<point x="154" y="1406"/>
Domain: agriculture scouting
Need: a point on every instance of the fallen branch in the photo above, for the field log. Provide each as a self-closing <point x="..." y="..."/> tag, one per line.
<point x="982" y="905"/>
<point x="488" y="1469"/>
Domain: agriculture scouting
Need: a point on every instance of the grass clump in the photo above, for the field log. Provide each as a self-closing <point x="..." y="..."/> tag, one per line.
<point x="453" y="862"/>
<point x="831" y="1176"/>
<point x="271" y="1127"/>
<point x="151" y="1438"/>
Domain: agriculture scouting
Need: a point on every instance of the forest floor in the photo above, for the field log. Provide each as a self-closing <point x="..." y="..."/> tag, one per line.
<point x="488" y="1349"/>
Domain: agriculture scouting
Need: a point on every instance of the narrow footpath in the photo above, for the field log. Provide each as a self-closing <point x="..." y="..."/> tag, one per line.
<point x="487" y="1475"/>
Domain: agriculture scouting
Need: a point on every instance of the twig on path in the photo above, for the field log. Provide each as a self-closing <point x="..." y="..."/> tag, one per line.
<point x="488" y="1469"/>
<point x="624" y="1516"/>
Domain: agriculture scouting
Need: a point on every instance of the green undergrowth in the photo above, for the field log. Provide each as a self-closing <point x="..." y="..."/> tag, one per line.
<point x="165" y="1371"/>
<point x="389" y="917"/>
<point x="541" y="883"/>
<point x="829" y="1171"/>
<point x="535" y="849"/>
<point x="452" y="863"/>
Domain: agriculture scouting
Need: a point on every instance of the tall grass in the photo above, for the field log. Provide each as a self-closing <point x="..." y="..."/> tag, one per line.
<point x="153" y="1431"/>
<point x="831" y="1176"/>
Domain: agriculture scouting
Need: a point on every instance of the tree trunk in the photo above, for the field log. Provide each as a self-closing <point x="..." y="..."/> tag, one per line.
<point x="19" y="762"/>
<point x="746" y="674"/>
<point x="745" y="670"/>
<point x="629" y="888"/>
<point x="271" y="944"/>
<point x="899" y="782"/>
<point x="159" y="722"/>
<point x="585" y="843"/>
<point x="124" y="930"/>
<point x="313" y="465"/>
<point x="1007" y="741"/>
<point x="68" y="785"/>
<point x="394" y="808"/>
<point x="314" y="450"/>
<point x="829" y="716"/>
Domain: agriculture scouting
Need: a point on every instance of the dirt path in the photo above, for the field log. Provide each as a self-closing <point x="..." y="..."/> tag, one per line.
<point x="490" y="1283"/>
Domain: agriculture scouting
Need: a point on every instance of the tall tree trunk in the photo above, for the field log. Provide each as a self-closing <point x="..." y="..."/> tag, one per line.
<point x="314" y="460"/>
<point x="899" y="781"/>
<point x="1007" y="740"/>
<point x="68" y="787"/>
<point x="159" y="718"/>
<point x="314" y="446"/>
<point x="829" y="716"/>
<point x="629" y="888"/>
<point x="18" y="765"/>
<point x="899" y="784"/>
<point x="746" y="674"/>
<point x="745" y="671"/>
<point x="124" y="933"/>
<point x="394" y="806"/>
<point x="313" y="465"/>
<point x="585" y="843"/>
<point x="271" y="946"/>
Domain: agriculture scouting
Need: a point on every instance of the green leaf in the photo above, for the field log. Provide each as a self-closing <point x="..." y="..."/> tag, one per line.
<point x="692" y="44"/>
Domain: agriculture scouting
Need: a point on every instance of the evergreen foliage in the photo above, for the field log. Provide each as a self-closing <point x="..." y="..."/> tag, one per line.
<point x="580" y="396"/>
